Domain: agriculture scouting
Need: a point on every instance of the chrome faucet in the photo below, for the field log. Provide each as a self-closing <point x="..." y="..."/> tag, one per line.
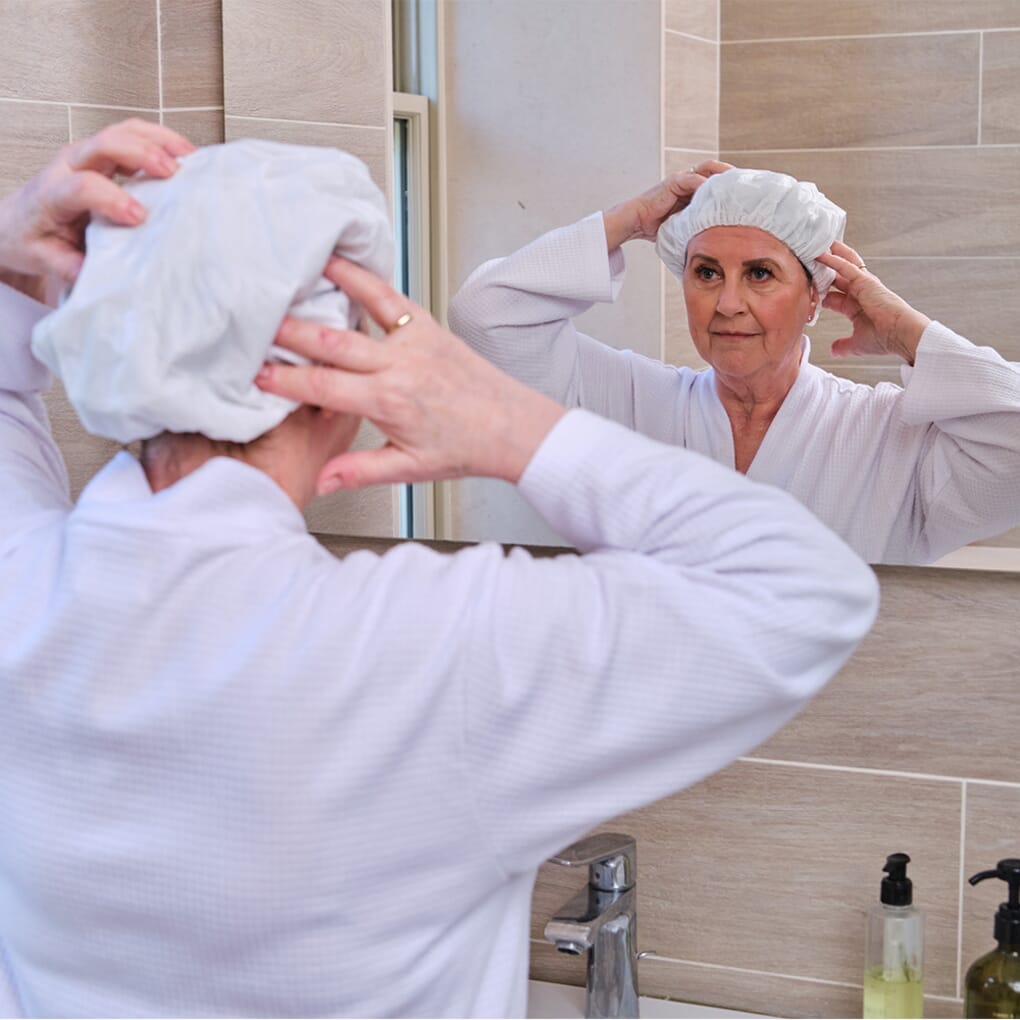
<point x="602" y="919"/>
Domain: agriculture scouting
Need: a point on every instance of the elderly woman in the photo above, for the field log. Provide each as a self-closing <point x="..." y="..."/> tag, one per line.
<point x="241" y="777"/>
<point x="903" y="474"/>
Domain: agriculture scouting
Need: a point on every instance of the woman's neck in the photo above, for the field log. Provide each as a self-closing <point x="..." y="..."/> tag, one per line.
<point x="751" y="404"/>
<point x="169" y="458"/>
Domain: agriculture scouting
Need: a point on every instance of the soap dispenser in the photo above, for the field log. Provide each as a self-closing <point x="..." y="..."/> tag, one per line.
<point x="993" y="982"/>
<point x="893" y="946"/>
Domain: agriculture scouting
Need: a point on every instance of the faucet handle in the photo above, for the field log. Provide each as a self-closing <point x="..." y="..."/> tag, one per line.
<point x="611" y="858"/>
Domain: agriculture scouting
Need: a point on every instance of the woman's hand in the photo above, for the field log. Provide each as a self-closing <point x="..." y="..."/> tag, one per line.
<point x="446" y="412"/>
<point x="883" y="323"/>
<point x="42" y="224"/>
<point x="641" y="217"/>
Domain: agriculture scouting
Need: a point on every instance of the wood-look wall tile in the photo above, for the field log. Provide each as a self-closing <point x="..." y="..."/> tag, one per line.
<point x="1010" y="540"/>
<point x="30" y="134"/>
<point x="201" y="127"/>
<point x="369" y="144"/>
<point x="691" y="93"/>
<point x="90" y="51"/>
<point x="931" y="689"/>
<point x="992" y="833"/>
<point x="895" y="90"/>
<point x="797" y="855"/>
<point x="370" y="512"/>
<point x="191" y="40"/>
<point x="903" y="202"/>
<point x="731" y="988"/>
<point x="84" y="454"/>
<point x="679" y="347"/>
<point x="978" y="298"/>
<point x="1000" y="92"/>
<point x="785" y="19"/>
<point x="315" y="60"/>
<point x="693" y="17"/>
<point x="87" y="120"/>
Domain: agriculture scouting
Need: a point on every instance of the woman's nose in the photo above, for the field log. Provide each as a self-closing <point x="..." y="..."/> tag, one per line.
<point x="731" y="299"/>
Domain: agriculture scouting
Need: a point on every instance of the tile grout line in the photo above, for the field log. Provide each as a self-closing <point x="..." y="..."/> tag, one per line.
<point x="895" y="773"/>
<point x="949" y="258"/>
<point x="77" y="106"/>
<point x="734" y="150"/>
<point x="662" y="164"/>
<point x="70" y="125"/>
<point x="159" y="57"/>
<point x="314" y="123"/>
<point x="959" y="905"/>
<point x="718" y="78"/>
<point x="869" y="35"/>
<point x="686" y="35"/>
<point x="655" y="957"/>
<point x="981" y="75"/>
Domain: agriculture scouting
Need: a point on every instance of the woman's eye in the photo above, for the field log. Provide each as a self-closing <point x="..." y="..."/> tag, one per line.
<point x="704" y="273"/>
<point x="759" y="273"/>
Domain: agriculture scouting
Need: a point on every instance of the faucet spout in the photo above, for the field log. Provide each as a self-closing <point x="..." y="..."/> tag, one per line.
<point x="602" y="922"/>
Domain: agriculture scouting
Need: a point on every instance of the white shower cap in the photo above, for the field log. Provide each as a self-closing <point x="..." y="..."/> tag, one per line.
<point x="169" y="321"/>
<point x="795" y="212"/>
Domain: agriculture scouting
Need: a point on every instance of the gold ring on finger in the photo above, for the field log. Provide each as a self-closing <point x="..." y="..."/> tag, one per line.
<point x="402" y="321"/>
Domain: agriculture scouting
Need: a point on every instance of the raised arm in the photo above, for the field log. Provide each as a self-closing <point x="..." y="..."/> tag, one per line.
<point x="966" y="399"/>
<point x="705" y="611"/>
<point x="42" y="228"/>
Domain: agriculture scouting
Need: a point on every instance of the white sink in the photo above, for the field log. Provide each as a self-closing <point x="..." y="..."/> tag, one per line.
<point x="549" y="1000"/>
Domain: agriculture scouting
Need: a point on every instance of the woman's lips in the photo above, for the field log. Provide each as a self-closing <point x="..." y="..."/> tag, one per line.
<point x="731" y="335"/>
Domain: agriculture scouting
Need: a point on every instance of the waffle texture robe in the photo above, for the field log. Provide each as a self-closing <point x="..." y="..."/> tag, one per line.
<point x="240" y="776"/>
<point x="903" y="474"/>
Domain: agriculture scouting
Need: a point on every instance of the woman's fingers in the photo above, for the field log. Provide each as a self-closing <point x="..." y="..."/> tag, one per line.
<point x="129" y="147"/>
<point x="375" y="295"/>
<point x="342" y="348"/>
<point x="708" y="167"/>
<point x="841" y="303"/>
<point x="357" y="469"/>
<point x="91" y="192"/>
<point x="320" y="386"/>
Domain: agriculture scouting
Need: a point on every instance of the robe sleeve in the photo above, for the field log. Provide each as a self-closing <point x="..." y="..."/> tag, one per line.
<point x="705" y="612"/>
<point x="968" y="475"/>
<point x="518" y="313"/>
<point x="33" y="477"/>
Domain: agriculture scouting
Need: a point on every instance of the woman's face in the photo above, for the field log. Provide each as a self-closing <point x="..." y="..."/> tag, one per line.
<point x="748" y="300"/>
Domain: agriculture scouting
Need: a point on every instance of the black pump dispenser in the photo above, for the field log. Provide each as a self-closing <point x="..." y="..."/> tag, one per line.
<point x="1007" y="919"/>
<point x="897" y="889"/>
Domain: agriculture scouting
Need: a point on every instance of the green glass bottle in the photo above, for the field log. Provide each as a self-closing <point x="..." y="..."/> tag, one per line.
<point x="993" y="981"/>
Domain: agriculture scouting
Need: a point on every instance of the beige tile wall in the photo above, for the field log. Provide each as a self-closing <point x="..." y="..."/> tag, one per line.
<point x="908" y="115"/>
<point x="317" y="72"/>
<point x="753" y="884"/>
<point x="68" y="68"/>
<point x="690" y="114"/>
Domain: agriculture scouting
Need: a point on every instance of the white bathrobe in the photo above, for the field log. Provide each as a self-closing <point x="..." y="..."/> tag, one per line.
<point x="239" y="776"/>
<point x="903" y="474"/>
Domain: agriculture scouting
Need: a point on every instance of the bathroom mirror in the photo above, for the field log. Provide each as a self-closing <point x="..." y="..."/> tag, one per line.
<point x="548" y="110"/>
<point x="554" y="109"/>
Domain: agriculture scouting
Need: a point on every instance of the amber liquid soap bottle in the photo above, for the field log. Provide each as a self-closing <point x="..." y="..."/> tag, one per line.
<point x="894" y="948"/>
<point x="992" y="988"/>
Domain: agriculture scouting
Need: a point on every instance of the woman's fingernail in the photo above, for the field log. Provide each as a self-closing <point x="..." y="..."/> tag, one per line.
<point x="135" y="211"/>
<point x="264" y="375"/>
<point x="328" y="485"/>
